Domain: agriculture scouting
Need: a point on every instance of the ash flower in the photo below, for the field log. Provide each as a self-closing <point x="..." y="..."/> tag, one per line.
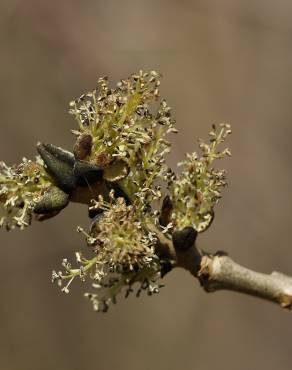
<point x="118" y="125"/>
<point x="20" y="188"/>
<point x="120" y="144"/>
<point x="196" y="191"/>
<point x="120" y="238"/>
<point x="124" y="255"/>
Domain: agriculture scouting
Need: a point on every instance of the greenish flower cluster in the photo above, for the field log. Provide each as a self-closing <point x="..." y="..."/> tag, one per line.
<point x="118" y="125"/>
<point x="119" y="160"/>
<point x="21" y="187"/>
<point x="124" y="254"/>
<point x="196" y="191"/>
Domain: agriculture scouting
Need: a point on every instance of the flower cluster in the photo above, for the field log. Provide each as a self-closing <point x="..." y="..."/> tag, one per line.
<point x="118" y="125"/>
<point x="21" y="187"/>
<point x="123" y="254"/>
<point x="120" y="144"/>
<point x="196" y="191"/>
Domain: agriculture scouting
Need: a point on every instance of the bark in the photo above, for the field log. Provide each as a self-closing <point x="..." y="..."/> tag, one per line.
<point x="219" y="272"/>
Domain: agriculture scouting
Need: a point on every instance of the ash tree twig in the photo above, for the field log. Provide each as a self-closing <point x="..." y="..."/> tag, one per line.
<point x="118" y="169"/>
<point x="219" y="272"/>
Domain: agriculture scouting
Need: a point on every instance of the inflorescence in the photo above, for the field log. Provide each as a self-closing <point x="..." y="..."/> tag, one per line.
<point x="21" y="187"/>
<point x="122" y="133"/>
<point x="124" y="255"/>
<point x="196" y="191"/>
<point x="118" y="125"/>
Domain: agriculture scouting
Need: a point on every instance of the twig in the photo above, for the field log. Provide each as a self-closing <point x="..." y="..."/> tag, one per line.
<point x="219" y="272"/>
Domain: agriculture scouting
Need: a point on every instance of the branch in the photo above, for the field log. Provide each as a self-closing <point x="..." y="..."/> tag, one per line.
<point x="219" y="272"/>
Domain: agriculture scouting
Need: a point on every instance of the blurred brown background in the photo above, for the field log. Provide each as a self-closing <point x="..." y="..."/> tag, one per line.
<point x="228" y="60"/>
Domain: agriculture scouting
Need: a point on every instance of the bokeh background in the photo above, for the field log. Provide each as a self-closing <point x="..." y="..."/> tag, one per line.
<point x="227" y="60"/>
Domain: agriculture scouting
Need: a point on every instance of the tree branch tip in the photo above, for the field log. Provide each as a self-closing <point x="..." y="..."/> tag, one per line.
<point x="285" y="301"/>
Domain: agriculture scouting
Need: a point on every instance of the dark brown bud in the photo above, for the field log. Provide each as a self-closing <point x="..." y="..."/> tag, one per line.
<point x="185" y="238"/>
<point x="82" y="147"/>
<point x="166" y="211"/>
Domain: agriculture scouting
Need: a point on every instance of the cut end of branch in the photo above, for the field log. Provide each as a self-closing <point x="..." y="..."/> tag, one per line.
<point x="285" y="301"/>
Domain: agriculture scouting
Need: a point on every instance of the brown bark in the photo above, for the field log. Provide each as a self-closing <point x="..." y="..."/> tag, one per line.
<point x="219" y="272"/>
